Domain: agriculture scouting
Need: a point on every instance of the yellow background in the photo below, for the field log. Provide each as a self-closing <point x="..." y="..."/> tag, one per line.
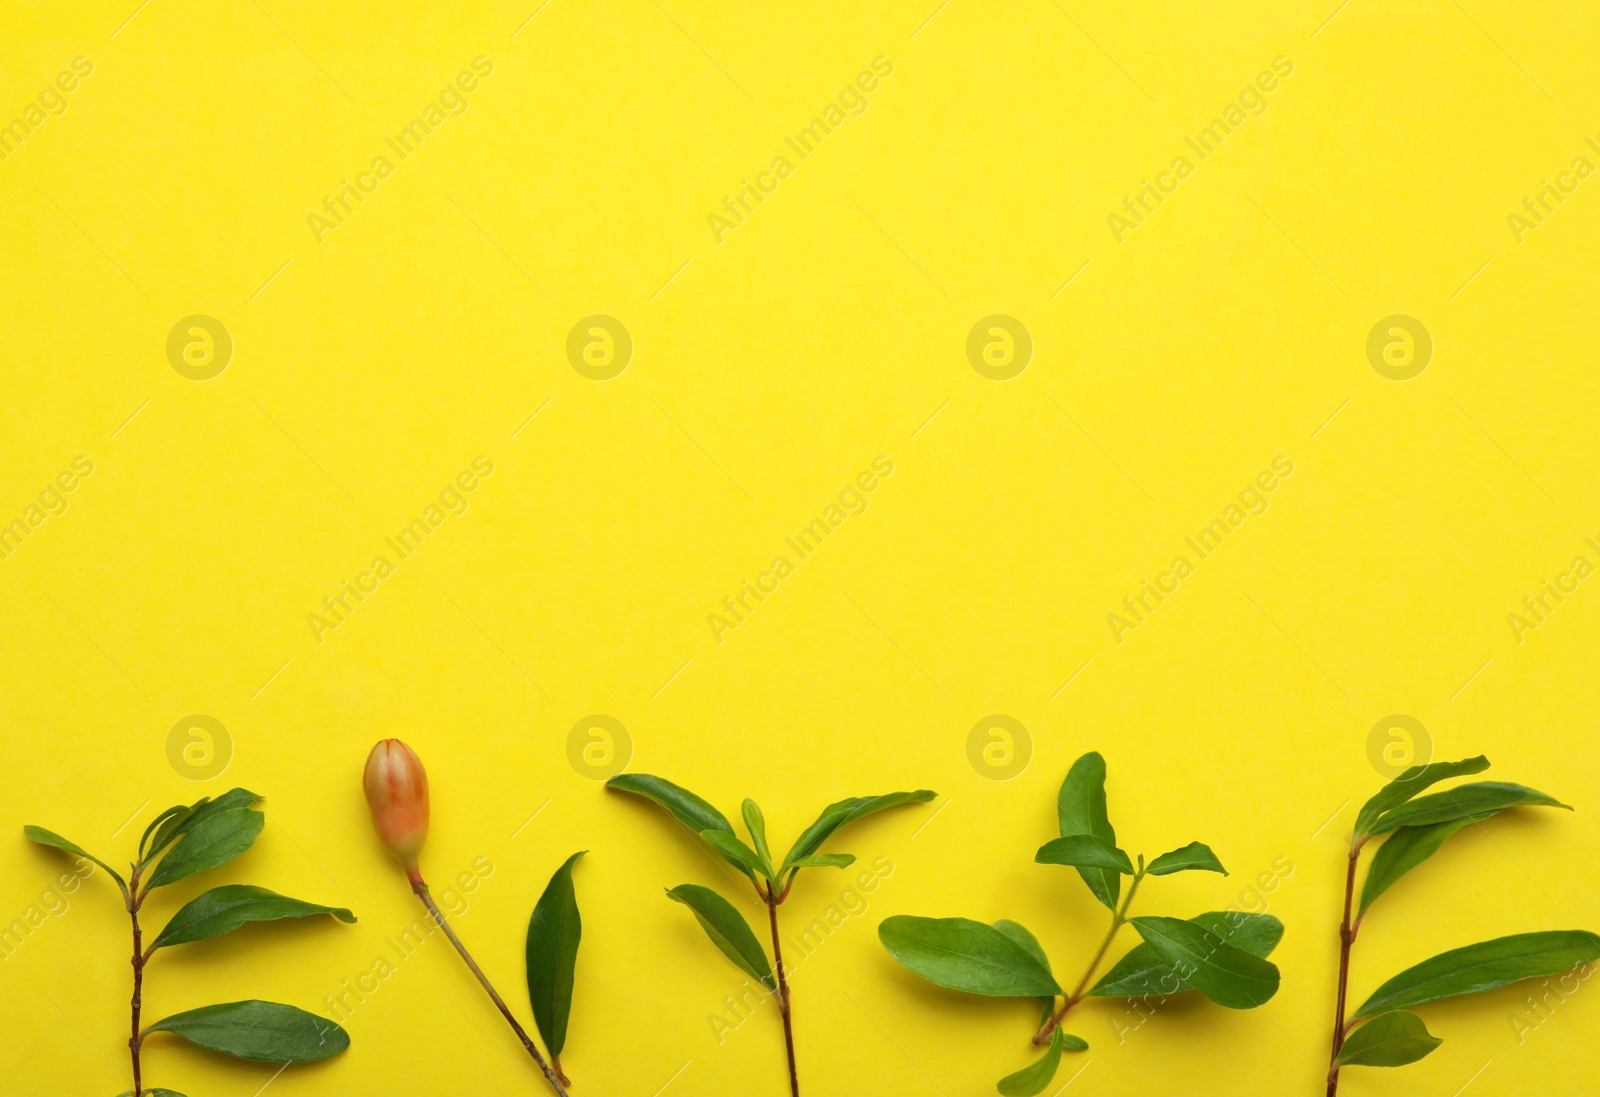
<point x="767" y="372"/>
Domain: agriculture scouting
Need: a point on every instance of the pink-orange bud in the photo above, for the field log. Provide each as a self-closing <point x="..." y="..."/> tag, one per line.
<point x="397" y="792"/>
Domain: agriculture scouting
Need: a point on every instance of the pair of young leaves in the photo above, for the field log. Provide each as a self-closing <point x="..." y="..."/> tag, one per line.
<point x="725" y="926"/>
<point x="1222" y="954"/>
<point x="185" y="840"/>
<point x="1413" y="827"/>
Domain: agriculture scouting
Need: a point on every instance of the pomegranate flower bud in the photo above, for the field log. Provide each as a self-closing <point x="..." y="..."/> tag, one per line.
<point x="397" y="792"/>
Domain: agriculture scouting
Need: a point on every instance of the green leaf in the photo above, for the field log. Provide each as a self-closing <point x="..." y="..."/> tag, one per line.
<point x="826" y="860"/>
<point x="1027" y="942"/>
<point x="267" y="1032"/>
<point x="54" y="840"/>
<point x="552" y="955"/>
<point x="216" y="840"/>
<point x="1462" y="802"/>
<point x="1142" y="973"/>
<point x="1081" y="809"/>
<point x="1034" y="1077"/>
<point x="965" y="955"/>
<point x="1413" y="781"/>
<point x="843" y="813"/>
<point x="1084" y="851"/>
<point x="175" y="809"/>
<point x="727" y="929"/>
<point x="1195" y="855"/>
<point x="756" y="824"/>
<point x="735" y="852"/>
<point x="1403" y="851"/>
<point x="204" y="808"/>
<point x="683" y="805"/>
<point x="1227" y="975"/>
<point x="1390" y="1039"/>
<point x="224" y="909"/>
<point x="1483" y="966"/>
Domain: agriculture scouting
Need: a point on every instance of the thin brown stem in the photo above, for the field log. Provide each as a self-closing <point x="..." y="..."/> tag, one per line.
<point x="1347" y="937"/>
<point x="785" y="1008"/>
<point x="1118" y="918"/>
<point x="135" y="1041"/>
<point x="421" y="890"/>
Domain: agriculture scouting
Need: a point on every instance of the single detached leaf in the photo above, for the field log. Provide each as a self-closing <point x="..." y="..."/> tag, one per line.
<point x="1483" y="966"/>
<point x="1416" y="780"/>
<point x="825" y="860"/>
<point x="267" y="1032"/>
<point x="51" y="838"/>
<point x="224" y="909"/>
<point x="965" y="955"/>
<point x="1195" y="855"/>
<point x="844" y="812"/>
<point x="756" y="824"/>
<point x="1027" y="942"/>
<point x="1404" y="850"/>
<point x="1034" y="1077"/>
<point x="1228" y="975"/>
<point x="175" y="809"/>
<point x="1084" y="851"/>
<point x="1390" y="1039"/>
<point x="683" y="805"/>
<point x="216" y="840"/>
<point x="735" y="852"/>
<point x="1081" y="809"/>
<point x="552" y="955"/>
<point x="1142" y="973"/>
<point x="727" y="929"/>
<point x="1463" y="802"/>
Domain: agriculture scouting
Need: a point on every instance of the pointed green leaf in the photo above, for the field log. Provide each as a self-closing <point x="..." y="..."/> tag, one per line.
<point x="54" y="840"/>
<point x="167" y="833"/>
<point x="1027" y="942"/>
<point x="1084" y="851"/>
<point x="216" y="840"/>
<point x="727" y="929"/>
<point x="843" y="813"/>
<point x="965" y="955"/>
<point x="1404" y="850"/>
<point x="683" y="805"/>
<point x="1142" y="973"/>
<point x="826" y="860"/>
<point x="1081" y="809"/>
<point x="1413" y="781"/>
<point x="756" y="824"/>
<point x="267" y="1032"/>
<point x="735" y="852"/>
<point x="1390" y="1039"/>
<point x="1034" y="1077"/>
<point x="1483" y="966"/>
<point x="1462" y="802"/>
<point x="205" y="807"/>
<point x="1227" y="975"/>
<point x="1195" y="855"/>
<point x="224" y="909"/>
<point x="175" y="809"/>
<point x="552" y="955"/>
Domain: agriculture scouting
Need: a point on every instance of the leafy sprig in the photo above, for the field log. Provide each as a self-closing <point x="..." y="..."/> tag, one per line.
<point x="1222" y="954"/>
<point x="772" y="879"/>
<point x="1382" y="1031"/>
<point x="180" y="842"/>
